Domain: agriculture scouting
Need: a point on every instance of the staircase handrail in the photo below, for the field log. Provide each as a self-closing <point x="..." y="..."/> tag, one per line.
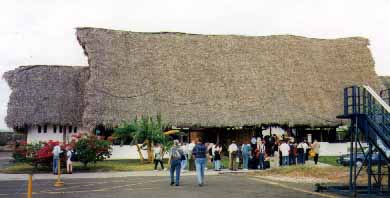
<point x="377" y="98"/>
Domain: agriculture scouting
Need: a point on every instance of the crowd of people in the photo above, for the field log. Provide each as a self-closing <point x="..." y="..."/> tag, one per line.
<point x="256" y="153"/>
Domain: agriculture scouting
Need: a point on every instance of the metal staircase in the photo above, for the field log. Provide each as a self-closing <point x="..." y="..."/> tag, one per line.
<point x="370" y="124"/>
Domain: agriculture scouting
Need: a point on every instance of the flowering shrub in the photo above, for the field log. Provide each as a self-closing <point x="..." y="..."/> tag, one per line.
<point x="36" y="154"/>
<point x="92" y="148"/>
<point x="89" y="148"/>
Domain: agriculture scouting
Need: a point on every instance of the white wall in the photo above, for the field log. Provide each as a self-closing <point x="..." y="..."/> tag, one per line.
<point x="34" y="136"/>
<point x="128" y="152"/>
<point x="335" y="149"/>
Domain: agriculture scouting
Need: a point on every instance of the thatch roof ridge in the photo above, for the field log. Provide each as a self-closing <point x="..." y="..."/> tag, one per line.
<point x="44" y="94"/>
<point x="281" y="36"/>
<point x="9" y="74"/>
<point x="220" y="80"/>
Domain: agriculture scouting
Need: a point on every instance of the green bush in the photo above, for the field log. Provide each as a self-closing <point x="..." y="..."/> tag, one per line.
<point x="90" y="148"/>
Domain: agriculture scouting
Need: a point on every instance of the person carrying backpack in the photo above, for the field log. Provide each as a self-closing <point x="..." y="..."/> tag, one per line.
<point x="175" y="156"/>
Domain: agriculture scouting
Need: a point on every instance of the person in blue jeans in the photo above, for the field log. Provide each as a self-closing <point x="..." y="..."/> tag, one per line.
<point x="56" y="156"/>
<point x="199" y="153"/>
<point x="175" y="156"/>
<point x="246" y="151"/>
<point x="261" y="148"/>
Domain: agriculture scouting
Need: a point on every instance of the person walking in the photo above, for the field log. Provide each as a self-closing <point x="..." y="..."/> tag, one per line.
<point x="69" y="157"/>
<point x="285" y="149"/>
<point x="246" y="152"/>
<point x="316" y="148"/>
<point x="191" y="160"/>
<point x="175" y="156"/>
<point x="261" y="147"/>
<point x="233" y="156"/>
<point x="199" y="154"/>
<point x="158" y="156"/>
<point x="217" y="157"/>
<point x="56" y="156"/>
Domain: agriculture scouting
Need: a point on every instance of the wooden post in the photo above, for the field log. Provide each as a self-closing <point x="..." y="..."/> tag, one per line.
<point x="59" y="183"/>
<point x="29" y="188"/>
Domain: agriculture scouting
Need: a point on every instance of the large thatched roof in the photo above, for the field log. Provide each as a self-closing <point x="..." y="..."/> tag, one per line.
<point x="46" y="94"/>
<point x="224" y="80"/>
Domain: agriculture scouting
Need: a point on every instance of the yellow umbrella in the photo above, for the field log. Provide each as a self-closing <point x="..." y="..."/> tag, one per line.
<point x="170" y="132"/>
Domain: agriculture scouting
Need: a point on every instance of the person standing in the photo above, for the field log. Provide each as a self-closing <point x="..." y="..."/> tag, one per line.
<point x="56" y="156"/>
<point x="316" y="148"/>
<point x="199" y="154"/>
<point x="276" y="155"/>
<point x="184" y="148"/>
<point x="253" y="143"/>
<point x="191" y="160"/>
<point x="301" y="153"/>
<point x="239" y="156"/>
<point x="233" y="156"/>
<point x="291" y="156"/>
<point x="246" y="151"/>
<point x="217" y="157"/>
<point x="69" y="155"/>
<point x="262" y="152"/>
<point x="158" y="156"/>
<point x="285" y="149"/>
<point x="305" y="149"/>
<point x="175" y="156"/>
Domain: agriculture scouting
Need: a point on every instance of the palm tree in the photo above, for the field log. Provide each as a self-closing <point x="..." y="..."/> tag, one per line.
<point x="129" y="130"/>
<point x="146" y="131"/>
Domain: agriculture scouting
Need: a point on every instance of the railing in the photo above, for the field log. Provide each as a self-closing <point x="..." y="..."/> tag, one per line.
<point x="364" y="101"/>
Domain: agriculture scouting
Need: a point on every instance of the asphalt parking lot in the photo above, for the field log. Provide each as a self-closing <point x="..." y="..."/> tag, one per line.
<point x="215" y="186"/>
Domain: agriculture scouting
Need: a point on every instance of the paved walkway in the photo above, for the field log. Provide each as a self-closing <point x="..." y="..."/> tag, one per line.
<point x="5" y="157"/>
<point x="43" y="176"/>
<point x="86" y="175"/>
<point x="215" y="186"/>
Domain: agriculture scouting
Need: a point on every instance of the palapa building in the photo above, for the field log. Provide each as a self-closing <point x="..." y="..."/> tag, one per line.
<point x="217" y="86"/>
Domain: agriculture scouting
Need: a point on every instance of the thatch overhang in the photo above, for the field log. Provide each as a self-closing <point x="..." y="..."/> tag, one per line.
<point x="46" y="94"/>
<point x="221" y="80"/>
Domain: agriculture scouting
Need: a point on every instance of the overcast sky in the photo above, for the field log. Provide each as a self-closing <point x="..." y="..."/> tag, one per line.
<point x="42" y="31"/>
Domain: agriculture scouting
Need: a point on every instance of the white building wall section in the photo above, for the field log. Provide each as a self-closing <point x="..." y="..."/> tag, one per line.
<point x="128" y="152"/>
<point x="34" y="136"/>
<point x="335" y="149"/>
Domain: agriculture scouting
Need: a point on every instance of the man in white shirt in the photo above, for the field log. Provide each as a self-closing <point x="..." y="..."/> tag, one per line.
<point x="56" y="156"/>
<point x="184" y="148"/>
<point x="232" y="156"/>
<point x="305" y="147"/>
<point x="285" y="149"/>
